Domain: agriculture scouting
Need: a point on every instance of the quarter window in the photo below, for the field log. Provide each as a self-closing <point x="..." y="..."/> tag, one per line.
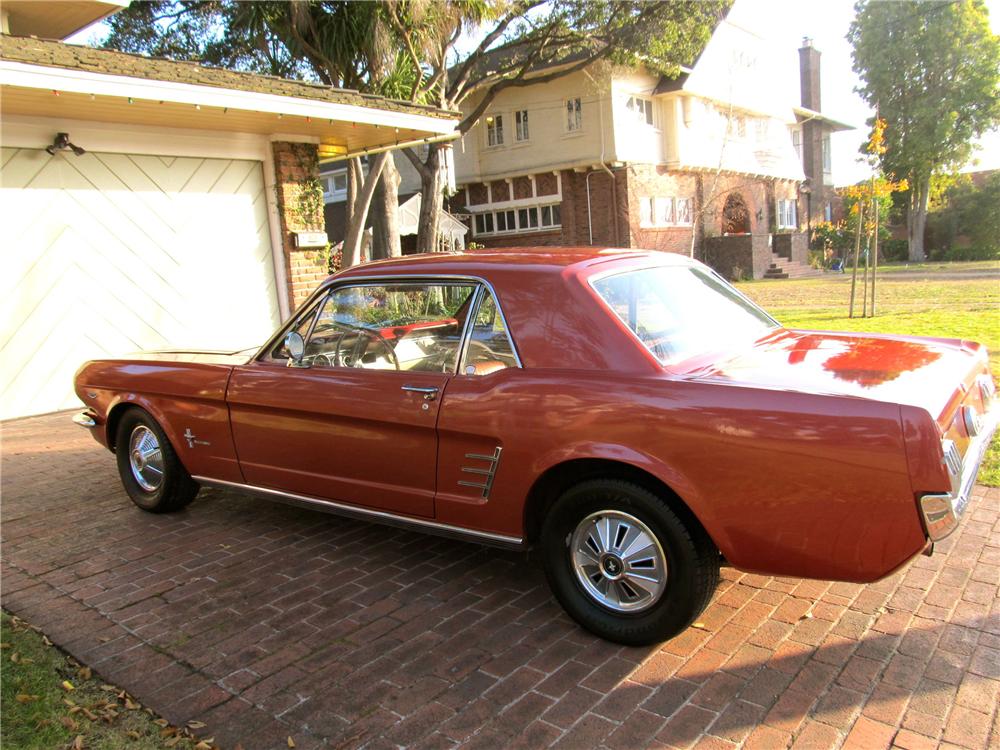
<point x="416" y="327"/>
<point x="489" y="348"/>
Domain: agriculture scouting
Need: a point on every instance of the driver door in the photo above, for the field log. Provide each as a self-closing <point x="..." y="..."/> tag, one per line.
<point x="354" y="420"/>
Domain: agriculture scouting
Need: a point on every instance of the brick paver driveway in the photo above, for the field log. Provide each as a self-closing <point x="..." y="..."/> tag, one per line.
<point x="265" y="621"/>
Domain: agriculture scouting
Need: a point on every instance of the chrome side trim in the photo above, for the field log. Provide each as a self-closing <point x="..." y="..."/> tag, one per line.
<point x="369" y="514"/>
<point x="84" y="419"/>
<point x="942" y="511"/>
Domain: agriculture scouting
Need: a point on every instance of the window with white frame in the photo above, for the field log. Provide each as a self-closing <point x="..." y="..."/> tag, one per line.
<point x="739" y="126"/>
<point x="684" y="211"/>
<point x="574" y="115"/>
<point x="761" y="127"/>
<point x="827" y="161"/>
<point x="787" y="214"/>
<point x="828" y="212"/>
<point x="521" y="125"/>
<point x="665" y="211"/>
<point x="641" y="109"/>
<point x="523" y="219"/>
<point x="335" y="186"/>
<point x="494" y="130"/>
<point x="797" y="142"/>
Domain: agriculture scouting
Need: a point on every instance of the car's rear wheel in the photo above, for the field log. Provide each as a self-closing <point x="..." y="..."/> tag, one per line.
<point x="153" y="476"/>
<point x="624" y="565"/>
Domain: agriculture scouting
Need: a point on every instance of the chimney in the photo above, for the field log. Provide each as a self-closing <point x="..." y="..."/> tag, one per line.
<point x="809" y="75"/>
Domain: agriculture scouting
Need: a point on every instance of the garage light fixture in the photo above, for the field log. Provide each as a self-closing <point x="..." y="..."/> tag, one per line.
<point x="62" y="143"/>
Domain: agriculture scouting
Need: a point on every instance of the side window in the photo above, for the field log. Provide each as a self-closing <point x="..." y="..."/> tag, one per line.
<point x="406" y="326"/>
<point x="489" y="348"/>
<point x="302" y="326"/>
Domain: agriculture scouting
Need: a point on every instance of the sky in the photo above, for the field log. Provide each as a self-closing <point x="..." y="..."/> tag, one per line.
<point x="826" y="22"/>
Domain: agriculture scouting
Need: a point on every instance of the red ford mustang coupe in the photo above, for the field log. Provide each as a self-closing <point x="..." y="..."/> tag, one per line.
<point x="629" y="414"/>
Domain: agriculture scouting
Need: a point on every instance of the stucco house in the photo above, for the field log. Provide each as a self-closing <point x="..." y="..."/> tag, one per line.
<point x="174" y="212"/>
<point x="719" y="160"/>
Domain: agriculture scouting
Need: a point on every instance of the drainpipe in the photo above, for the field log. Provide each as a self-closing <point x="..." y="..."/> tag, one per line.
<point x="614" y="189"/>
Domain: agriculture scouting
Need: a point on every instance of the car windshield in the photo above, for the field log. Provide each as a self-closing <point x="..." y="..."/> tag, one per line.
<point x="679" y="312"/>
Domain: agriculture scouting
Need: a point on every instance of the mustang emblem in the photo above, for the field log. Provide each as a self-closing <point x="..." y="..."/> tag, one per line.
<point x="193" y="439"/>
<point x="487" y="484"/>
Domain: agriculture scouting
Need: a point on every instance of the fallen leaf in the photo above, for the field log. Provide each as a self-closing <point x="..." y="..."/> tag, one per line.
<point x="67" y="685"/>
<point x="89" y="714"/>
<point x="4" y="645"/>
<point x="699" y="625"/>
<point x="108" y="688"/>
<point x="69" y="702"/>
<point x="196" y="724"/>
<point x="84" y="673"/>
<point x="27" y="661"/>
<point x="75" y="710"/>
<point x="69" y="723"/>
<point x="168" y="732"/>
<point x="15" y="657"/>
<point x="104" y="639"/>
<point x="78" y="742"/>
<point x="131" y="705"/>
<point x="26" y="698"/>
<point x="203" y="746"/>
<point x="291" y="742"/>
<point x="172" y="741"/>
<point x="46" y="641"/>
<point x="132" y="734"/>
<point x="161" y="722"/>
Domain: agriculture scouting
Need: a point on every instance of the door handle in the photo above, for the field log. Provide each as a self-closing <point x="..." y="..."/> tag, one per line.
<point x="430" y="393"/>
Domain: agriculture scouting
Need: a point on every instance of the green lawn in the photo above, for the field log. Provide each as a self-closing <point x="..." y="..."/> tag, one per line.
<point x="964" y="308"/>
<point x="49" y="701"/>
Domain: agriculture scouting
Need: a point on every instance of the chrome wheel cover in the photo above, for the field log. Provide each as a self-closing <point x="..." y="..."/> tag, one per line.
<point x="618" y="561"/>
<point x="145" y="458"/>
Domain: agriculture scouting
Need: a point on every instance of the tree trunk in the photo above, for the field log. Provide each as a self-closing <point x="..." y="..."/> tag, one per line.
<point x="431" y="200"/>
<point x="916" y="218"/>
<point x="385" y="207"/>
<point x="359" y="217"/>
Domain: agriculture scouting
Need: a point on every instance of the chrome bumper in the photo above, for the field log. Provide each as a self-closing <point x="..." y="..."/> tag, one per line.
<point x="85" y="419"/>
<point x="942" y="512"/>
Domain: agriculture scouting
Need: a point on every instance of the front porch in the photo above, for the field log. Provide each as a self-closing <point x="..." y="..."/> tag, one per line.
<point x="738" y="257"/>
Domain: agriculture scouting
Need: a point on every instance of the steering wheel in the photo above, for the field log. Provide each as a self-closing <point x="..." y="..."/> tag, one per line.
<point x="354" y="358"/>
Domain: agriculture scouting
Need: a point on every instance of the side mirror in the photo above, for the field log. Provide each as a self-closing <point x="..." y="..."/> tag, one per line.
<point x="295" y="345"/>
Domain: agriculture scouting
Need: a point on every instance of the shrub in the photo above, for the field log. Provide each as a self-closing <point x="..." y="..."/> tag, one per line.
<point x="974" y="252"/>
<point x="894" y="250"/>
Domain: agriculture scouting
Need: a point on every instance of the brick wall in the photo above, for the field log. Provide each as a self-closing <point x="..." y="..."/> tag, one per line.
<point x="650" y="181"/>
<point x="295" y="165"/>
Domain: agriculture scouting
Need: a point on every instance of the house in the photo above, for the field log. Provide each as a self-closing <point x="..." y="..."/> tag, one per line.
<point x="147" y="203"/>
<point x="718" y="161"/>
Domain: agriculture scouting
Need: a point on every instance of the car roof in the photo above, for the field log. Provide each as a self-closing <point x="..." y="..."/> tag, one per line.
<point x="511" y="259"/>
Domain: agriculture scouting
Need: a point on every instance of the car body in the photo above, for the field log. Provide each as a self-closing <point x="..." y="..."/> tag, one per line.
<point x="792" y="453"/>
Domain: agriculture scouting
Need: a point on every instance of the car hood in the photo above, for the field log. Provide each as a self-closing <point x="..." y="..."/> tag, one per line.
<point x="199" y="356"/>
<point x="915" y="371"/>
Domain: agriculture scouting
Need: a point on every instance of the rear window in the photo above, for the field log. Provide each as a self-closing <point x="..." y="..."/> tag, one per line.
<point x="679" y="312"/>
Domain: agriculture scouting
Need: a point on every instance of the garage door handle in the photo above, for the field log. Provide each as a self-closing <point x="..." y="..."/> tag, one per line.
<point x="430" y="393"/>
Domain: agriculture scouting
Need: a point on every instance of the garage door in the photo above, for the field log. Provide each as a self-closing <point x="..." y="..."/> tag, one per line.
<point x="105" y="254"/>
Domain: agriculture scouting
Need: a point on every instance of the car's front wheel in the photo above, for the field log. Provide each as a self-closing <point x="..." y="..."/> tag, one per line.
<point x="152" y="474"/>
<point x="624" y="565"/>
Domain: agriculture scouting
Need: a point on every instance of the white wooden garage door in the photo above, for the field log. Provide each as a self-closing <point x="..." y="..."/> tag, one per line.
<point x="105" y="254"/>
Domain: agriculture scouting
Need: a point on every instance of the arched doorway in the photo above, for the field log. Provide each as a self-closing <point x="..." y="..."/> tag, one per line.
<point x="735" y="215"/>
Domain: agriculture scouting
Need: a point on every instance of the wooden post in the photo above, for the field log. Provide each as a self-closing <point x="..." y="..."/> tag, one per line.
<point x="874" y="254"/>
<point x="857" y="252"/>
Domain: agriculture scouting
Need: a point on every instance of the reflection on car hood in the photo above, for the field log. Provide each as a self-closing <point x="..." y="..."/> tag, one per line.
<point x="908" y="370"/>
<point x="201" y="356"/>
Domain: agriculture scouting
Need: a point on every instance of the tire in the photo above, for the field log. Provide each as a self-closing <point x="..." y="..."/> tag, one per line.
<point x="155" y="480"/>
<point x="594" y="587"/>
